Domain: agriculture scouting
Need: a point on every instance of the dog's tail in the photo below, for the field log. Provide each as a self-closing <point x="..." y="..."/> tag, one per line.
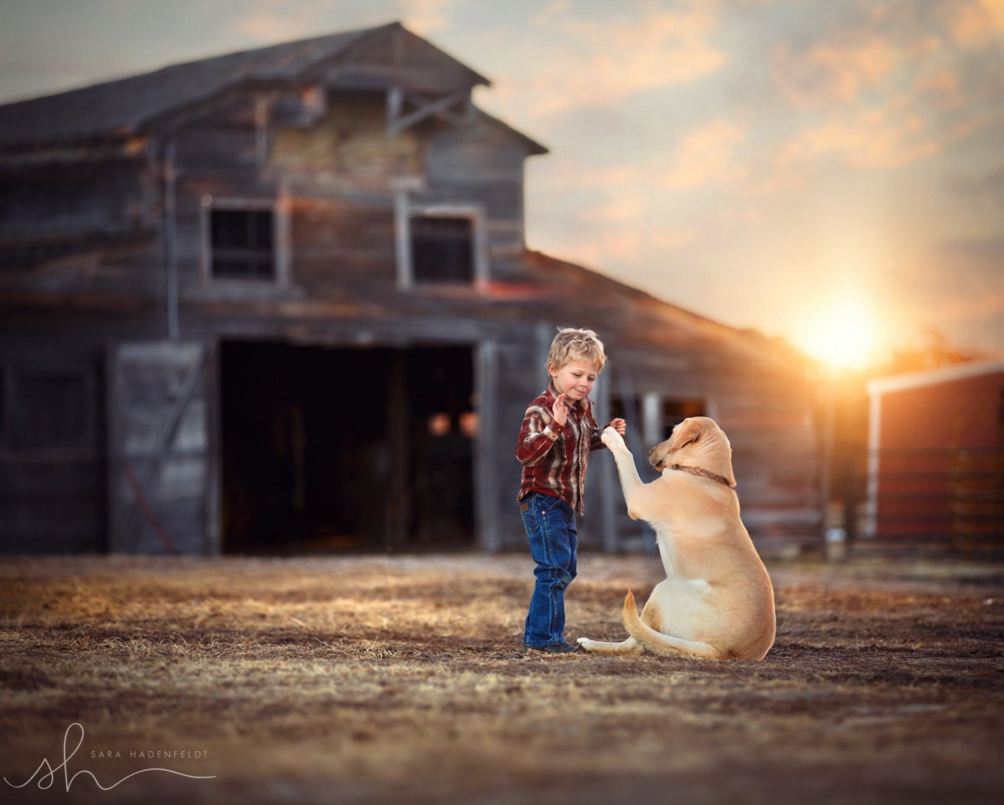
<point x="660" y="643"/>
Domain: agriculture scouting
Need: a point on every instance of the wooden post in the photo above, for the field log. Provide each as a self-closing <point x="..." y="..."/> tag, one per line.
<point x="608" y="476"/>
<point x="486" y="480"/>
<point x="170" y="238"/>
<point x="212" y="543"/>
<point x="825" y="471"/>
<point x="262" y="112"/>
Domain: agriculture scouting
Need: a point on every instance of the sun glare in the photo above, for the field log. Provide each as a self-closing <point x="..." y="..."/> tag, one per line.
<point x="842" y="333"/>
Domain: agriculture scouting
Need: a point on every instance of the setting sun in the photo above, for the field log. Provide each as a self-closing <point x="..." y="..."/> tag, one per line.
<point x="843" y="333"/>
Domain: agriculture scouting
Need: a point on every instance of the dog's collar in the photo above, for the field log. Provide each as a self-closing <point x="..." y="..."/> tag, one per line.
<point x="711" y="476"/>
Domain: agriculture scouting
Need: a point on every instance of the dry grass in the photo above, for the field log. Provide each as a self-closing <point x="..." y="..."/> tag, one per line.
<point x="368" y="679"/>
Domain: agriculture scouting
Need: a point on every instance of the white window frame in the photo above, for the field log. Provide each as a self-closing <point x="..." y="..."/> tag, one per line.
<point x="405" y="210"/>
<point x="651" y="412"/>
<point x="279" y="208"/>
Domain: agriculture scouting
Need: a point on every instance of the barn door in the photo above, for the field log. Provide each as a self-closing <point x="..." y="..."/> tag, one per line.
<point x="158" y="455"/>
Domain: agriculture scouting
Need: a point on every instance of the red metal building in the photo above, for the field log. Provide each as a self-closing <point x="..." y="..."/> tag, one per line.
<point x="936" y="455"/>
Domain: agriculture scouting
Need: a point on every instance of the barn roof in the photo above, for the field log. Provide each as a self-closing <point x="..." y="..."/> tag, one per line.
<point x="666" y="314"/>
<point x="123" y="106"/>
<point x="533" y="146"/>
<point x="931" y="377"/>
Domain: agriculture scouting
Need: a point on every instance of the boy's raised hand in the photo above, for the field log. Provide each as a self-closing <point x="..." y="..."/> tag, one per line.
<point x="560" y="410"/>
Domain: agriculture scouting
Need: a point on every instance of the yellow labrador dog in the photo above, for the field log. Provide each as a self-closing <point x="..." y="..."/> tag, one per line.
<point x="716" y="601"/>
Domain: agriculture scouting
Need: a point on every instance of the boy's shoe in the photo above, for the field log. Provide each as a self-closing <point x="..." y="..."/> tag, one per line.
<point x="556" y="648"/>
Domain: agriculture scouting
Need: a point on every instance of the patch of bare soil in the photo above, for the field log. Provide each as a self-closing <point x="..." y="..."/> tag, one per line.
<point x="375" y="679"/>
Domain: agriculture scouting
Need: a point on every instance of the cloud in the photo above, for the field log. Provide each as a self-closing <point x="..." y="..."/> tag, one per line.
<point x="953" y="282"/>
<point x="550" y="13"/>
<point x="829" y="72"/>
<point x="283" y="20"/>
<point x="704" y="157"/>
<point x="625" y="206"/>
<point x="601" y="176"/>
<point x="976" y="23"/>
<point x="597" y="61"/>
<point x="987" y="185"/>
<point x="617" y="247"/>
<point x="278" y="20"/>
<point x="940" y="86"/>
<point x="972" y="321"/>
<point x="879" y="137"/>
<point x="976" y="253"/>
<point x="426" y="16"/>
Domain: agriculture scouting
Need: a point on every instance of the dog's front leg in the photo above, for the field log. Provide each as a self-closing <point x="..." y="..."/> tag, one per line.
<point x="631" y="483"/>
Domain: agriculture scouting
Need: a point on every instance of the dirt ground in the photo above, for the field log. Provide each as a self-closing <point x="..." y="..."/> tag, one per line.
<point x="355" y="680"/>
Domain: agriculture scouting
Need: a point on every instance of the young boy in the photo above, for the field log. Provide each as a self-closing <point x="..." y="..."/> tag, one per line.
<point x="557" y="435"/>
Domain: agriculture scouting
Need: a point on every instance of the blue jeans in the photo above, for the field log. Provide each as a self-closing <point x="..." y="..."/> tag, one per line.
<point x="550" y="526"/>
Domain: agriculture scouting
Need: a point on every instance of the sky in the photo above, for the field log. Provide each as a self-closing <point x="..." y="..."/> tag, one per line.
<point x="829" y="172"/>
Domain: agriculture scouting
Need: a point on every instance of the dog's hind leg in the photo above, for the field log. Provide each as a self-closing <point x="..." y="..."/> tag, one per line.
<point x="649" y="615"/>
<point x="660" y="643"/>
<point x="629" y="646"/>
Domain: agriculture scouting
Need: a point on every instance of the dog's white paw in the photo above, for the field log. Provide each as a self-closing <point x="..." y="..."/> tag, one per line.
<point x="586" y="643"/>
<point x="611" y="438"/>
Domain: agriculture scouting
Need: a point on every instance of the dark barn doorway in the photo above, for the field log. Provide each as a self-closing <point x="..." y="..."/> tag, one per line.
<point x="346" y="449"/>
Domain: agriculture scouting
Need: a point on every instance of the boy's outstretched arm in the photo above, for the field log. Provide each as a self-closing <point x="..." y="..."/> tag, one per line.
<point x="595" y="436"/>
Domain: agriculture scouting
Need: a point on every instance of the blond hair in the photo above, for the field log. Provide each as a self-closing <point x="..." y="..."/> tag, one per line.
<point x="571" y="344"/>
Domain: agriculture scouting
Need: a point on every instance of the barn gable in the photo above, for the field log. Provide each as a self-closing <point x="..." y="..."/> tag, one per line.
<point x="356" y="110"/>
<point x="371" y="57"/>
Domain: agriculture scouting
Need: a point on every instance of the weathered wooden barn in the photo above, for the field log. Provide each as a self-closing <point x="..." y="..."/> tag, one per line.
<point x="280" y="300"/>
<point x="935" y="469"/>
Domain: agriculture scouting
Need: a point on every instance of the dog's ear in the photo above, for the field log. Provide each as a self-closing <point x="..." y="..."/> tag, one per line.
<point x="688" y="431"/>
<point x="727" y="472"/>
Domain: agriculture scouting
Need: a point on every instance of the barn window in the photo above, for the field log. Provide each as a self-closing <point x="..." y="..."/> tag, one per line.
<point x="624" y="407"/>
<point x="674" y="411"/>
<point x="242" y="243"/>
<point x="442" y="249"/>
<point x="49" y="410"/>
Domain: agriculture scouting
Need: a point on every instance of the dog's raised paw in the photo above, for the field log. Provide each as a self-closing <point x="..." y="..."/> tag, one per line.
<point x="611" y="437"/>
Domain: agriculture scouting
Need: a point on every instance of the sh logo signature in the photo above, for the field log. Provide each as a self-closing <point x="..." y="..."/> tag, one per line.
<point x="45" y="775"/>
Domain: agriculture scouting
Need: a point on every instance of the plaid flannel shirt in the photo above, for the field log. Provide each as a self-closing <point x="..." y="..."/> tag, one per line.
<point x="555" y="458"/>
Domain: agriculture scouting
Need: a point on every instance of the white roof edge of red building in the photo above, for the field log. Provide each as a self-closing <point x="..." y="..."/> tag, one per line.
<point x="930" y="377"/>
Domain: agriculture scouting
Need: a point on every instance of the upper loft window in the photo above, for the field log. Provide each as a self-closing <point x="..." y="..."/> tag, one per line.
<point x="242" y="243"/>
<point x="442" y="249"/>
